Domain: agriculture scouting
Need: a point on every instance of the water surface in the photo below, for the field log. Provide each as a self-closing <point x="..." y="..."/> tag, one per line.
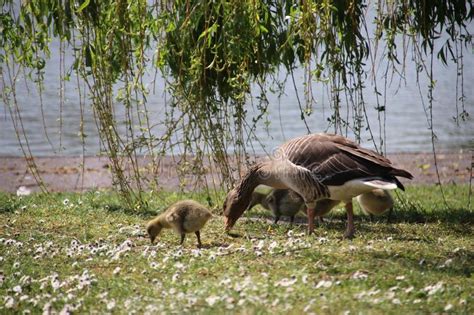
<point x="406" y="123"/>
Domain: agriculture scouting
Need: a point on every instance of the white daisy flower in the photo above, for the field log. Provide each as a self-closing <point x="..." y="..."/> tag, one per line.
<point x="9" y="302"/>
<point x="211" y="300"/>
<point x="324" y="284"/>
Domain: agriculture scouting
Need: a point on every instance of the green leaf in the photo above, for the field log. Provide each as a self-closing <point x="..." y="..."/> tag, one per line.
<point x="210" y="30"/>
<point x="263" y="29"/>
<point x="83" y="6"/>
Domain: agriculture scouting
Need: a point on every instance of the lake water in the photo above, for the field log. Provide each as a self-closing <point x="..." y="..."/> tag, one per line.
<point x="406" y="123"/>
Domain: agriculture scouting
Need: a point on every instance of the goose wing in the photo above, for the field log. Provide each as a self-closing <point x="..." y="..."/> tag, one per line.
<point x="336" y="160"/>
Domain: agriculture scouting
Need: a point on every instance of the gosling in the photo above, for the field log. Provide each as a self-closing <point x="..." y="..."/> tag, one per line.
<point x="183" y="217"/>
<point x="282" y="202"/>
<point x="258" y="198"/>
<point x="376" y="202"/>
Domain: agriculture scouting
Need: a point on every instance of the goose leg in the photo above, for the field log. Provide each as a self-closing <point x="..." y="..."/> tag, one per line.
<point x="350" y="229"/>
<point x="198" y="235"/>
<point x="183" y="235"/>
<point x="292" y="219"/>
<point x="311" y="214"/>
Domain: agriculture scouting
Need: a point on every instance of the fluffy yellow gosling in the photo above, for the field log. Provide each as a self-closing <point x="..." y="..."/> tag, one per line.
<point x="376" y="201"/>
<point x="185" y="216"/>
<point x="283" y="202"/>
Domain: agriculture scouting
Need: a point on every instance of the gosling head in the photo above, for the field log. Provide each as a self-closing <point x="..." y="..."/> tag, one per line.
<point x="234" y="207"/>
<point x="153" y="228"/>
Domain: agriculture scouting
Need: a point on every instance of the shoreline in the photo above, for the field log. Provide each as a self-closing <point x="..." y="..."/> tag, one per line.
<point x="64" y="173"/>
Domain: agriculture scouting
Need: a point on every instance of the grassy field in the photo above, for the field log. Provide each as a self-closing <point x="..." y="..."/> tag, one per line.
<point x="85" y="253"/>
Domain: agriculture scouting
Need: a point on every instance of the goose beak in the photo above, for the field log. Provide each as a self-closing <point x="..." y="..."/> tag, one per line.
<point x="228" y="224"/>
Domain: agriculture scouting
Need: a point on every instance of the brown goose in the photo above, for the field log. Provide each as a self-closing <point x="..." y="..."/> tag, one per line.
<point x="322" y="168"/>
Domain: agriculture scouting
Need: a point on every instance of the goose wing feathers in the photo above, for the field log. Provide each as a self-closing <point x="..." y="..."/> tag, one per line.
<point x="336" y="160"/>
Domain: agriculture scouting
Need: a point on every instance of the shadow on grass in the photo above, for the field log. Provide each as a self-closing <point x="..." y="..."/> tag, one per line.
<point x="413" y="215"/>
<point x="458" y="222"/>
<point x="462" y="266"/>
<point x="432" y="257"/>
<point x="416" y="215"/>
<point x="213" y="244"/>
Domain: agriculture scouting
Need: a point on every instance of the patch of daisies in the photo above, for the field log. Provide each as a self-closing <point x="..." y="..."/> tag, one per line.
<point x="172" y="272"/>
<point x="51" y="294"/>
<point x="182" y="277"/>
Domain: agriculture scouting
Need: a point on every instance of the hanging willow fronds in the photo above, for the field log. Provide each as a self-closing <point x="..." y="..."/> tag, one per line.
<point x="212" y="54"/>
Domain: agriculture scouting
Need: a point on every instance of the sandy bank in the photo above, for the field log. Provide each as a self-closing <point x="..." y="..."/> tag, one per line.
<point x="66" y="173"/>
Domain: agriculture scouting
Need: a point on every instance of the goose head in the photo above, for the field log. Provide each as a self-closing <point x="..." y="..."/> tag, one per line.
<point x="238" y="199"/>
<point x="234" y="207"/>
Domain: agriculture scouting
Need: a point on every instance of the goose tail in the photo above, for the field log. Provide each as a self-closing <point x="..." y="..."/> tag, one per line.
<point x="401" y="173"/>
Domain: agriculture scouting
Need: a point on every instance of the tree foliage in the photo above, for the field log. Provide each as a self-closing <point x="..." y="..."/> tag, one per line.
<point x="212" y="54"/>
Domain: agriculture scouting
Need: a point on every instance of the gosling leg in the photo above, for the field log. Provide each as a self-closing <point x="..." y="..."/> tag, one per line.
<point x="311" y="214"/>
<point x="198" y="235"/>
<point x="350" y="229"/>
<point x="389" y="216"/>
<point x="277" y="218"/>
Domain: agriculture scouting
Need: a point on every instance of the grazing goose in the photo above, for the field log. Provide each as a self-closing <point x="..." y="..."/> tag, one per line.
<point x="375" y="202"/>
<point x="320" y="168"/>
<point x="185" y="216"/>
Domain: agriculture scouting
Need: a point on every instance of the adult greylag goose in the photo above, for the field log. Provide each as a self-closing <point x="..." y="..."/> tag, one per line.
<point x="183" y="217"/>
<point x="321" y="168"/>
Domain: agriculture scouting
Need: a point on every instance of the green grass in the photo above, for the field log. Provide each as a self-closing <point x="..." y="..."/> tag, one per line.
<point x="85" y="253"/>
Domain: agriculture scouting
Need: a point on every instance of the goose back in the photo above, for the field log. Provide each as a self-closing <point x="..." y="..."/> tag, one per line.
<point x="336" y="160"/>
